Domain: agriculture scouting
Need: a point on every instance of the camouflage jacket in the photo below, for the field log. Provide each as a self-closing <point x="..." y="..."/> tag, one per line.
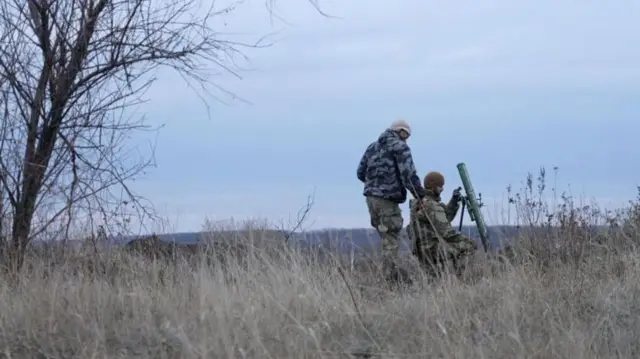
<point x="387" y="169"/>
<point x="420" y="230"/>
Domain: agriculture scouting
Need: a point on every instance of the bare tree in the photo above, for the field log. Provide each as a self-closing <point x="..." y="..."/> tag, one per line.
<point x="69" y="72"/>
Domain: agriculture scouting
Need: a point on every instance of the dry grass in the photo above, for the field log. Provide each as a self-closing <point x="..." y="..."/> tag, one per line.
<point x="296" y="309"/>
<point x="573" y="304"/>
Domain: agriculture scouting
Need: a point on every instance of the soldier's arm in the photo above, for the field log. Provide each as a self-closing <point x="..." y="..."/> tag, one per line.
<point x="408" y="173"/>
<point x="362" y="166"/>
<point x="452" y="209"/>
<point x="442" y="224"/>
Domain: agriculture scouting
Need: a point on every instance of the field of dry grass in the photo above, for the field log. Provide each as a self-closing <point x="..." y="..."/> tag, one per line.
<point x="564" y="294"/>
<point x="588" y="308"/>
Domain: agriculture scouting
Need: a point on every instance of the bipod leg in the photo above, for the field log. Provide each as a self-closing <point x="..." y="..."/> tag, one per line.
<point x="464" y="204"/>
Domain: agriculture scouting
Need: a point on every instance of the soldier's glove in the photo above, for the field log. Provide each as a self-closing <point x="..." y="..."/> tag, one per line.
<point x="457" y="194"/>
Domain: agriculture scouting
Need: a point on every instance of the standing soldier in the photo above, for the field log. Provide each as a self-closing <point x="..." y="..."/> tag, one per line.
<point x="429" y="218"/>
<point x="387" y="172"/>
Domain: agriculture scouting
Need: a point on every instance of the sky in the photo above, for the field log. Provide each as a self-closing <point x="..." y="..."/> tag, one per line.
<point x="504" y="86"/>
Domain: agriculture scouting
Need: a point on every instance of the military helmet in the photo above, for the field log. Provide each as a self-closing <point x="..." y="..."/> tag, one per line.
<point x="433" y="180"/>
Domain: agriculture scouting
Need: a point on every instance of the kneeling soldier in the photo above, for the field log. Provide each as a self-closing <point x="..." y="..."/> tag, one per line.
<point x="434" y="240"/>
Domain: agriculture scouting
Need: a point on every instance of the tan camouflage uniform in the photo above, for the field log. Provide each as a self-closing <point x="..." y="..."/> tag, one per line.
<point x="427" y="247"/>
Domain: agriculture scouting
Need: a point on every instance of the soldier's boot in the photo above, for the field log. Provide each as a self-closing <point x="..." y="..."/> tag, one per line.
<point x="389" y="266"/>
<point x="395" y="275"/>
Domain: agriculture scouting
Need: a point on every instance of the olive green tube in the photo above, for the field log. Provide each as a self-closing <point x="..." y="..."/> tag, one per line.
<point x="472" y="205"/>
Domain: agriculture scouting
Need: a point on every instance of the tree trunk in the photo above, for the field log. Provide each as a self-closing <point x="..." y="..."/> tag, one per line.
<point x="19" y="239"/>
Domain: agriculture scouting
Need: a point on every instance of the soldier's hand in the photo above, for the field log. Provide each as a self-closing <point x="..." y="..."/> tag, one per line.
<point x="457" y="194"/>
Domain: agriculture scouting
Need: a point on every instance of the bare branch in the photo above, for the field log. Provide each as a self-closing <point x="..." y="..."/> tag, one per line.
<point x="72" y="71"/>
<point x="301" y="218"/>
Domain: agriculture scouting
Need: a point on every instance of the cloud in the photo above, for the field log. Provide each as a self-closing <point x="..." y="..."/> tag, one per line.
<point x="506" y="87"/>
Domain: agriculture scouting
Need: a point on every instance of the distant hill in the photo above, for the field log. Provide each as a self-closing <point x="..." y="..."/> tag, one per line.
<point x="362" y="241"/>
<point x="344" y="240"/>
<point x="367" y="240"/>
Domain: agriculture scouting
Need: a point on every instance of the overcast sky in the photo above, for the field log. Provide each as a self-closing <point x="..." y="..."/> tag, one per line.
<point x="504" y="86"/>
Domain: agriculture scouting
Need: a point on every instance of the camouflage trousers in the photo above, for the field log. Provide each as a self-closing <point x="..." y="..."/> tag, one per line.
<point x="434" y="257"/>
<point x="386" y="218"/>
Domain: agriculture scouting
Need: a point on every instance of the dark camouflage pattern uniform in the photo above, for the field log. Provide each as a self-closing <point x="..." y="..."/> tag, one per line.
<point x="387" y="171"/>
<point x="430" y="251"/>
